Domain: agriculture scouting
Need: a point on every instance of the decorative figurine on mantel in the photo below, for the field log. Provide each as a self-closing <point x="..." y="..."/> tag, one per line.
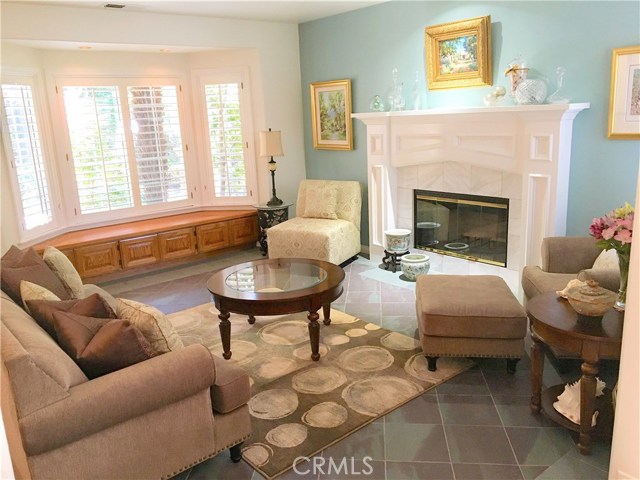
<point x="517" y="71"/>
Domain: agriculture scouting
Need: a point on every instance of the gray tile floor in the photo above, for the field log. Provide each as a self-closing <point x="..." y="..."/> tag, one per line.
<point x="475" y="426"/>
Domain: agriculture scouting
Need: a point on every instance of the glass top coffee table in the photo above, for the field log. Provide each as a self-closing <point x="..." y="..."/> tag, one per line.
<point x="276" y="287"/>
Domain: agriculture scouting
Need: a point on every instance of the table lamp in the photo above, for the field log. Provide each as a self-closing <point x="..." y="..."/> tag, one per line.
<point x="271" y="146"/>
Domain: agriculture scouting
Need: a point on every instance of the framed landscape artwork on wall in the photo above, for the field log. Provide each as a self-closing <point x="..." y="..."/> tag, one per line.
<point x="331" y="115"/>
<point x="624" y="100"/>
<point x="458" y="54"/>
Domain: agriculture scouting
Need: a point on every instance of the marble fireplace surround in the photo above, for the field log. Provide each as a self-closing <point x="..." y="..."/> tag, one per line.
<point x="518" y="152"/>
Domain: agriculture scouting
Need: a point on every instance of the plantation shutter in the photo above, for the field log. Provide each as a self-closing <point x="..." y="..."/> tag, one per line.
<point x="225" y="135"/>
<point x="26" y="152"/>
<point x="155" y="126"/>
<point x="98" y="146"/>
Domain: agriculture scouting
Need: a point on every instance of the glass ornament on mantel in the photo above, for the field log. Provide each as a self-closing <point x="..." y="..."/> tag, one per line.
<point x="376" y="105"/>
<point x="558" y="96"/>
<point x="395" y="98"/>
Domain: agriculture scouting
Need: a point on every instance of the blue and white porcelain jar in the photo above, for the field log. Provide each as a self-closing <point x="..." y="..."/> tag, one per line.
<point x="414" y="264"/>
<point x="397" y="240"/>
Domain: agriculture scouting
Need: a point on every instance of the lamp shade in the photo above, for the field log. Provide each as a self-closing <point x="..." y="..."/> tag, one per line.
<point x="270" y="144"/>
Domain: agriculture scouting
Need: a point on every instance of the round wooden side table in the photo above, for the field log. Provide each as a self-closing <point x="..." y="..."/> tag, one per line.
<point x="554" y="323"/>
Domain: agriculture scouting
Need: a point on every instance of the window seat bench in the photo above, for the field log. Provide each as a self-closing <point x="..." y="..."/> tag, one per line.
<point x="115" y="251"/>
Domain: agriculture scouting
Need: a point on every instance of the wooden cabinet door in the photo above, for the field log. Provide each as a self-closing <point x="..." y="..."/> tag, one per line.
<point x="213" y="236"/>
<point x="97" y="259"/>
<point x="243" y="230"/>
<point x="139" y="251"/>
<point x="177" y="243"/>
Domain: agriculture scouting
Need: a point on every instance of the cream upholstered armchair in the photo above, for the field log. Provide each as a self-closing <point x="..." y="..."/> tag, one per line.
<point x="327" y="225"/>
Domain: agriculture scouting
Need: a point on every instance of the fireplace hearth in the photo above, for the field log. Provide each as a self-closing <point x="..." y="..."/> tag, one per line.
<point x="473" y="227"/>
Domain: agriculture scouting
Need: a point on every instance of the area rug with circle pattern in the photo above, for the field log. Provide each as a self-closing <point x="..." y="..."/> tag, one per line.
<point x="299" y="407"/>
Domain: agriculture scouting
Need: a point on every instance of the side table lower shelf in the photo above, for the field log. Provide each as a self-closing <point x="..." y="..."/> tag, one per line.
<point x="604" y="421"/>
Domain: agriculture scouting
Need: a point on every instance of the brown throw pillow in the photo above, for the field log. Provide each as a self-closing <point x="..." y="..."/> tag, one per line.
<point x="17" y="265"/>
<point x="92" y="306"/>
<point x="99" y="345"/>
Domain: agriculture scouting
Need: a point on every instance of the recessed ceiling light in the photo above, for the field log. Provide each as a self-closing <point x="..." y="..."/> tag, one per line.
<point x="84" y="47"/>
<point x="165" y="50"/>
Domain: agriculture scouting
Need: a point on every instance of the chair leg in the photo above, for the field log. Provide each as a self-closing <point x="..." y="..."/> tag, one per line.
<point x="511" y="365"/>
<point x="431" y="363"/>
<point x="236" y="452"/>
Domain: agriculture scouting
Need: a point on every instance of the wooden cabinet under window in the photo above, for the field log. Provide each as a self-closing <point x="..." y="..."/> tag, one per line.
<point x="136" y="252"/>
<point x="97" y="259"/>
<point x="114" y="251"/>
<point x="214" y="236"/>
<point x="177" y="243"/>
<point x="243" y="230"/>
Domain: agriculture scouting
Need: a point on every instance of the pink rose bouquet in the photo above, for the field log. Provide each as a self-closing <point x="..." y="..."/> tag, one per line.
<point x="615" y="230"/>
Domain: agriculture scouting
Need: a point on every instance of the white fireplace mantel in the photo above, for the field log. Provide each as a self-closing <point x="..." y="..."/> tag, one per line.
<point x="519" y="152"/>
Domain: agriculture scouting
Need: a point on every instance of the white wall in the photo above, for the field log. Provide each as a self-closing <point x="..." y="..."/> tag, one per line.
<point x="625" y="462"/>
<point x="270" y="49"/>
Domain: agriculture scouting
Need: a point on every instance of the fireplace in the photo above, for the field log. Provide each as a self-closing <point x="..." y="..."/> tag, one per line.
<point x="473" y="227"/>
<point x="520" y="152"/>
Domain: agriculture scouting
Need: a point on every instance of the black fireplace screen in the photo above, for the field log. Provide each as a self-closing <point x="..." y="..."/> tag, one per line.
<point x="468" y="226"/>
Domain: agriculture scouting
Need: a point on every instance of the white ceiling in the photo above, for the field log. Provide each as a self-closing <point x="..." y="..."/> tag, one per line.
<point x="291" y="11"/>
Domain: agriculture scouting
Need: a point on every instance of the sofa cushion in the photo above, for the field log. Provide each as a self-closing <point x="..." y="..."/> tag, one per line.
<point x="17" y="265"/>
<point x="90" y="289"/>
<point x="152" y="323"/>
<point x="92" y="306"/>
<point x="30" y="291"/>
<point x="100" y="345"/>
<point x="321" y="200"/>
<point x="536" y="281"/>
<point x="64" y="269"/>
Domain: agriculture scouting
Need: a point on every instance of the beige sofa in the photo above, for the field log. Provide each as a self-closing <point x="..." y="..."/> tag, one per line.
<point x="327" y="225"/>
<point x="153" y="419"/>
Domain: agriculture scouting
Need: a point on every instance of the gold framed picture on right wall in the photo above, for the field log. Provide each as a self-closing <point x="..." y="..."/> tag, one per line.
<point x="624" y="100"/>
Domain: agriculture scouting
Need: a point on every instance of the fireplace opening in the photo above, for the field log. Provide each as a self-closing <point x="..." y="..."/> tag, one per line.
<point x="473" y="227"/>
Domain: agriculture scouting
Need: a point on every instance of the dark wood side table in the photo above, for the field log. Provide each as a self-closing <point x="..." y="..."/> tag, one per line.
<point x="554" y="323"/>
<point x="267" y="218"/>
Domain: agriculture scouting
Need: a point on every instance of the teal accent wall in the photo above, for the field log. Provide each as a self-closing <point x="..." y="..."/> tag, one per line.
<point x="365" y="45"/>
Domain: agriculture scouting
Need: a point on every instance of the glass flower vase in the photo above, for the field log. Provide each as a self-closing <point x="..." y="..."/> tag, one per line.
<point x="623" y="260"/>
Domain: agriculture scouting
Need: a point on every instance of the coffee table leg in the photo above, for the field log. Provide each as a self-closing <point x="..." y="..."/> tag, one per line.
<point x="314" y="335"/>
<point x="326" y="311"/>
<point x="225" y="334"/>
<point x="587" y="401"/>
<point x="251" y="320"/>
<point x="537" y="367"/>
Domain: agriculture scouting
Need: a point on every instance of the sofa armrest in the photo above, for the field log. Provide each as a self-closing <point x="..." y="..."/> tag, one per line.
<point x="608" y="278"/>
<point x="119" y="396"/>
<point x="568" y="254"/>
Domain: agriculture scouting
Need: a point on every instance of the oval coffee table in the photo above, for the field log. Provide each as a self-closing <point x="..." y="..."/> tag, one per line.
<point x="276" y="287"/>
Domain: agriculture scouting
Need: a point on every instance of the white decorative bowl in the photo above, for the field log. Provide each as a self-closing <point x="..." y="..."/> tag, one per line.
<point x="414" y="264"/>
<point x="397" y="240"/>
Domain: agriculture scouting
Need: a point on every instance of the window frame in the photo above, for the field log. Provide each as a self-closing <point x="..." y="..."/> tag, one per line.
<point x="200" y="78"/>
<point x="68" y="169"/>
<point x="33" y="78"/>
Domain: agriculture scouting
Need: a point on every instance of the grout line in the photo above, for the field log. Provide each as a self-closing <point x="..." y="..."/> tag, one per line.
<point x="513" y="451"/>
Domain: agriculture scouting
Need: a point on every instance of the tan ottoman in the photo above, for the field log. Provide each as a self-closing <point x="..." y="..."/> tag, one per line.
<point x="469" y="316"/>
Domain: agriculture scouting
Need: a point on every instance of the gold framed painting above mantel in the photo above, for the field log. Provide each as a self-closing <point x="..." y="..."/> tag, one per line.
<point x="331" y="115"/>
<point x="458" y="54"/>
<point x="624" y="100"/>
